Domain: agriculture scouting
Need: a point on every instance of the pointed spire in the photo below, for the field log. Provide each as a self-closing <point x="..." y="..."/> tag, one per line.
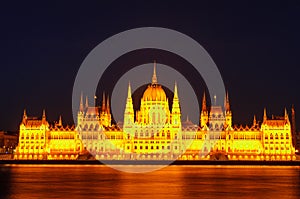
<point x="86" y="102"/>
<point x="286" y="116"/>
<point x="226" y="103"/>
<point x="187" y="118"/>
<point x="175" y="91"/>
<point x="24" y="116"/>
<point x="154" y="78"/>
<point x="107" y="105"/>
<point x="81" y="103"/>
<point x="129" y="91"/>
<point x="265" y="115"/>
<point x="44" y="115"/>
<point x="204" y="108"/>
<point x="60" y="121"/>
<point x="103" y="108"/>
<point x="175" y="105"/>
<point x="293" y="126"/>
<point x="254" y="120"/>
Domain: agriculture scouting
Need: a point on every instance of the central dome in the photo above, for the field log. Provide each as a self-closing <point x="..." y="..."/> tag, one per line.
<point x="154" y="92"/>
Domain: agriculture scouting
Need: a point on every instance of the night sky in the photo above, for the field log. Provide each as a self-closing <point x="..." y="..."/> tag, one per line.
<point x="256" y="47"/>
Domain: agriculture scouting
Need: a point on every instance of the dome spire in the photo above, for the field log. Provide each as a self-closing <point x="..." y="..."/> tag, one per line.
<point x="154" y="78"/>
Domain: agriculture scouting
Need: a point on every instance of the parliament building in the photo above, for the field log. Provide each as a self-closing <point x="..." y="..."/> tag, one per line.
<point x="155" y="132"/>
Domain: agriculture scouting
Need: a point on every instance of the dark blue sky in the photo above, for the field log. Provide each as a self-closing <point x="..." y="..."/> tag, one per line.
<point x="255" y="45"/>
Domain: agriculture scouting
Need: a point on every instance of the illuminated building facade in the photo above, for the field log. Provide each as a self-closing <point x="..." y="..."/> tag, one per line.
<point x="156" y="132"/>
<point x="39" y="140"/>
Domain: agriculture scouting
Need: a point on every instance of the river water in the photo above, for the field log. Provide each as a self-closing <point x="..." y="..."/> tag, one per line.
<point x="98" y="181"/>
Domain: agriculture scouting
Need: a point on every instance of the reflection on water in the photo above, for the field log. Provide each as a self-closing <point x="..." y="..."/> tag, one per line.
<point x="48" y="181"/>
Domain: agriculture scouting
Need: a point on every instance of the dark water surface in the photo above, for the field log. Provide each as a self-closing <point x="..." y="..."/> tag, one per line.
<point x="49" y="181"/>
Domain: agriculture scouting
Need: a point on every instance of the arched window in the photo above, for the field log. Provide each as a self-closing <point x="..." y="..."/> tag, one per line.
<point x="276" y="136"/>
<point x="216" y="126"/>
<point x="153" y="118"/>
<point x="91" y="127"/>
<point x="287" y="136"/>
<point x="271" y="136"/>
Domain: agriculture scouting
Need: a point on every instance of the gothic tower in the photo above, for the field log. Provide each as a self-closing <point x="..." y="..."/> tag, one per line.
<point x="176" y="115"/>
<point x="228" y="113"/>
<point x="204" y="113"/>
<point x="129" y="112"/>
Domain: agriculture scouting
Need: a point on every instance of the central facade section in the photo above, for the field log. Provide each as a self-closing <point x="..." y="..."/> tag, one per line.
<point x="154" y="129"/>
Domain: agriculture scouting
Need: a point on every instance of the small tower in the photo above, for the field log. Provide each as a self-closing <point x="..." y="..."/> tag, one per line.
<point x="80" y="114"/>
<point x="24" y="117"/>
<point x="81" y="108"/>
<point x="254" y="121"/>
<point x="129" y="112"/>
<point x="44" y="117"/>
<point x="59" y="121"/>
<point x="265" y="115"/>
<point x="176" y="114"/>
<point x="204" y="113"/>
<point x="86" y="102"/>
<point x="228" y="113"/>
<point x="294" y="135"/>
<point x="105" y="116"/>
<point x="108" y="111"/>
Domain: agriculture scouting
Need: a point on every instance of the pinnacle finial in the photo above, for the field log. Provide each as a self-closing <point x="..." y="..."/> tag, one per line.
<point x="24" y="116"/>
<point x="107" y="104"/>
<point x="175" y="91"/>
<point x="24" y="113"/>
<point x="286" y="116"/>
<point x="81" y="103"/>
<point x="44" y="115"/>
<point x="154" y="78"/>
<point x="86" y="102"/>
<point x="226" y="103"/>
<point x="265" y="114"/>
<point x="129" y="91"/>
<point x="60" y="121"/>
<point x="204" y="108"/>
<point x="254" y="120"/>
<point x="103" y="102"/>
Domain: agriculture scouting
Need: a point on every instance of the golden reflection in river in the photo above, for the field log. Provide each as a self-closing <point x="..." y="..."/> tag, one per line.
<point x="48" y="181"/>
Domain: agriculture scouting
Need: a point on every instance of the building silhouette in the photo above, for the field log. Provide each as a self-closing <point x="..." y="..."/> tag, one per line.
<point x="156" y="132"/>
